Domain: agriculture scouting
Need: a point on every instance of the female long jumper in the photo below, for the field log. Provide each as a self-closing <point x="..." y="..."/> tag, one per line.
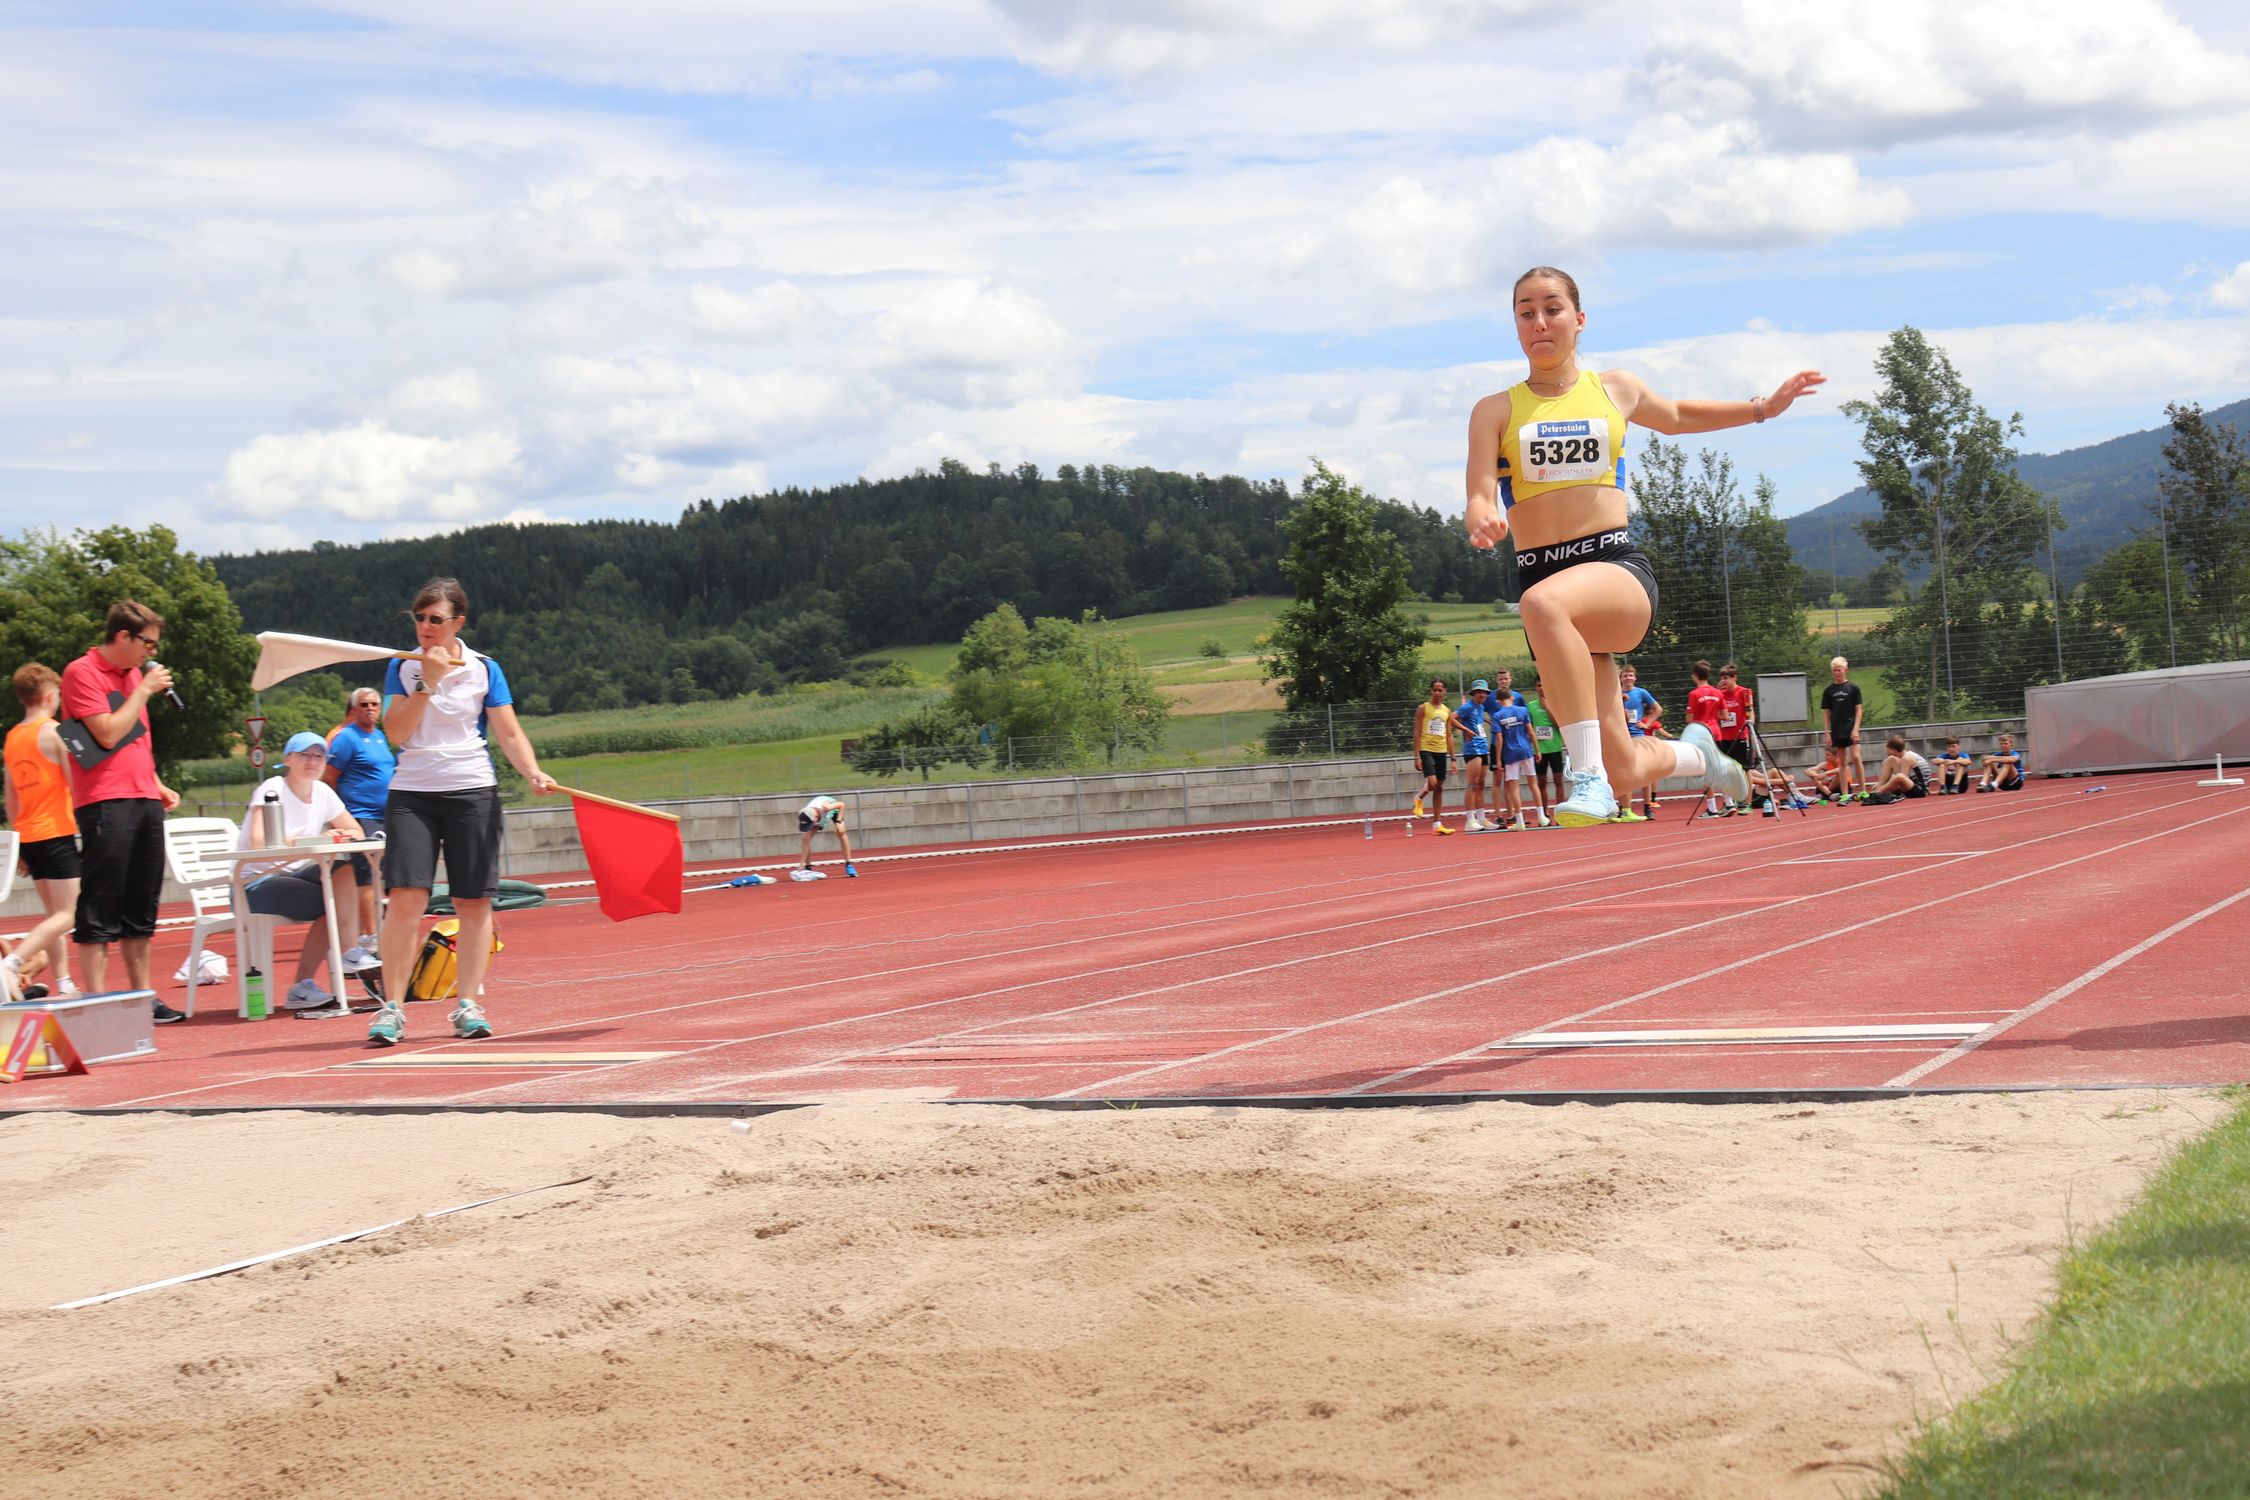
<point x="1547" y="460"/>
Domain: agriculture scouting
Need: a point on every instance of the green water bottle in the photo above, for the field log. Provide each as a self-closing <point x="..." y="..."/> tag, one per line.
<point x="254" y="993"/>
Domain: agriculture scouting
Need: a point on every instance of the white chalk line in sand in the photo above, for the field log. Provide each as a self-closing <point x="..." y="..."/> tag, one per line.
<point x="2062" y="992"/>
<point x="1800" y="834"/>
<point x="1601" y="952"/>
<point x="1820" y="937"/>
<point x="859" y="1055"/>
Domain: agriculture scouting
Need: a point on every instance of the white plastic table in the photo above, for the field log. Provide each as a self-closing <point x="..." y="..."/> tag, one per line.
<point x="324" y="855"/>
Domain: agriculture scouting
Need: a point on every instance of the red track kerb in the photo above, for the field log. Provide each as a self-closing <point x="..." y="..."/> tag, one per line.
<point x="2093" y="937"/>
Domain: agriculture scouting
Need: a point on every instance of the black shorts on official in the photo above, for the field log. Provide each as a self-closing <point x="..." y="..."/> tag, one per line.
<point x="121" y="870"/>
<point x="463" y="826"/>
<point x="1436" y="763"/>
<point x="1737" y="751"/>
<point x="52" y="859"/>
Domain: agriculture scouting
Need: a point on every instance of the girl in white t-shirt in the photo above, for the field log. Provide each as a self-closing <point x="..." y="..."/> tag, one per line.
<point x="444" y="710"/>
<point x="290" y="888"/>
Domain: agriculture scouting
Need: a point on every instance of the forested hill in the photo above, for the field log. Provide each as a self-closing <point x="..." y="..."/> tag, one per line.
<point x="2106" y="491"/>
<point x="744" y="593"/>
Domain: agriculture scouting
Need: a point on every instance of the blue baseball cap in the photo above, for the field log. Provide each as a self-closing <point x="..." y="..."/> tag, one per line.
<point x="303" y="740"/>
<point x="1480" y="686"/>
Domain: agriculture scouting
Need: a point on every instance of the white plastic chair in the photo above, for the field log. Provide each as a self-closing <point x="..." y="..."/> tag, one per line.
<point x="190" y="848"/>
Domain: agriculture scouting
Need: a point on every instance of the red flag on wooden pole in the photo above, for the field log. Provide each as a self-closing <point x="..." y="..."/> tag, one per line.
<point x="633" y="852"/>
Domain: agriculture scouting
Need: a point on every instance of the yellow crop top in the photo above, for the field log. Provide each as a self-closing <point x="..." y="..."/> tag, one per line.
<point x="1559" y="442"/>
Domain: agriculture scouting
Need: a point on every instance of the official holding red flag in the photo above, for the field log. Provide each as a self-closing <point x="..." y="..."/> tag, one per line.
<point x="443" y="710"/>
<point x="634" y="854"/>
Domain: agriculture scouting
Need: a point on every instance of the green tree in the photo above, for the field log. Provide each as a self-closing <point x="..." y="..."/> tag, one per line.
<point x="55" y="589"/>
<point x="2204" y="522"/>
<point x="1731" y="588"/>
<point x="1944" y="470"/>
<point x="2126" y="592"/>
<point x="1345" y="638"/>
<point x="1056" y="692"/>
<point x="940" y="734"/>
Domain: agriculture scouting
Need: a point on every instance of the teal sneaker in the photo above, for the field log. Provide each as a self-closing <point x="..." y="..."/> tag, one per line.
<point x="1590" y="801"/>
<point x="388" y="1028"/>
<point x="469" y="1023"/>
<point x="1719" y="768"/>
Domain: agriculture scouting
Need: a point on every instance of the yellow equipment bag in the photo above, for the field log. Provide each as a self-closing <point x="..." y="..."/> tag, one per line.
<point x="432" y="978"/>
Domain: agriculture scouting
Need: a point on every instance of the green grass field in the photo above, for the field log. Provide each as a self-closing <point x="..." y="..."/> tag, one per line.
<point x="2137" y="1380"/>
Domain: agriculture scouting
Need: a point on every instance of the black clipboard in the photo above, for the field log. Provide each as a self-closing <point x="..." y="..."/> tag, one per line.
<point x="88" y="751"/>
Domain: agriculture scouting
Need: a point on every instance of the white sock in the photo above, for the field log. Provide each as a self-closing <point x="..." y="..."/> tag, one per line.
<point x="1583" y="742"/>
<point x="1686" y="759"/>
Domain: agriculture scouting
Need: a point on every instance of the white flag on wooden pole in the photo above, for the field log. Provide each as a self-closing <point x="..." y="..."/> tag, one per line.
<point x="282" y="656"/>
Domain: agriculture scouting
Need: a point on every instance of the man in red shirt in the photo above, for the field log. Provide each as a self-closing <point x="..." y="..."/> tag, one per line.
<point x="121" y="804"/>
<point x="1737" y="714"/>
<point x="1705" y="706"/>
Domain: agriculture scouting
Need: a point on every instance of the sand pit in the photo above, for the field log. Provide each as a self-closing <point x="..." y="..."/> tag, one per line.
<point x="899" y="1299"/>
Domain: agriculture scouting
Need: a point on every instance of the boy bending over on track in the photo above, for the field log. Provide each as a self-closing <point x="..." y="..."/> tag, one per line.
<point x="823" y="811"/>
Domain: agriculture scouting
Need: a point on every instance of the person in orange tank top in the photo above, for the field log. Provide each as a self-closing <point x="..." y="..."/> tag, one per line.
<point x="39" y="810"/>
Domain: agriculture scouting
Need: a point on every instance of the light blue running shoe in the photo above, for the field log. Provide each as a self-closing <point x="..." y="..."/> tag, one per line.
<point x="1719" y="768"/>
<point x="1590" y="801"/>
<point x="469" y="1023"/>
<point x="388" y="1028"/>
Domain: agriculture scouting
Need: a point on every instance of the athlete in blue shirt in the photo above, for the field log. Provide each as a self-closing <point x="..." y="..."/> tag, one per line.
<point x="1474" y="720"/>
<point x="360" y="763"/>
<point x="1516" y="755"/>
<point x="1643" y="717"/>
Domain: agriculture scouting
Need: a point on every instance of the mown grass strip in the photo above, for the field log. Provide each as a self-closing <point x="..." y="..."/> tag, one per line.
<point x="2137" y="1381"/>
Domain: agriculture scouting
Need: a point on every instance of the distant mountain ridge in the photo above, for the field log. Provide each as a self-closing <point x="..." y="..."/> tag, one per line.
<point x="2106" y="491"/>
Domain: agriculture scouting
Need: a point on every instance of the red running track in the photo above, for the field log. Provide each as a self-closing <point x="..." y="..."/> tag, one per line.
<point x="2068" y="939"/>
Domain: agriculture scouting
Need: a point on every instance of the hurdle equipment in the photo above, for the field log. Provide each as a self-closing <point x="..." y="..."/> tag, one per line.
<point x="2219" y="776"/>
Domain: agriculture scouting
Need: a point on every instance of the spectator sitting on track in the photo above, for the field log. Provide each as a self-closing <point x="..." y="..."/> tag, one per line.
<point x="1843" y="703"/>
<point x="1905" y="773"/>
<point x="1827" y="781"/>
<point x="1953" y="770"/>
<point x="1433" y="753"/>
<point x="119" y="800"/>
<point x="1644" y="717"/>
<point x="360" y="763"/>
<point x="1766" y="785"/>
<point x="824" y="812"/>
<point x="38" y="803"/>
<point x="290" y="888"/>
<point x="2003" y="770"/>
<point x="1547" y="745"/>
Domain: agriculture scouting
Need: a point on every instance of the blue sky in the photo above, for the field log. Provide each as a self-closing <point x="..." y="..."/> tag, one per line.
<point x="274" y="272"/>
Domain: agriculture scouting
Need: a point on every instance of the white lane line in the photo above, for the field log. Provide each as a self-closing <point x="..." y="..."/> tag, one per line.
<point x="2060" y="993"/>
<point x="1822" y="937"/>
<point x="1740" y="1036"/>
<point x="1419" y="935"/>
<point x="1851" y="859"/>
<point x="1801" y="835"/>
<point x="1627" y="946"/>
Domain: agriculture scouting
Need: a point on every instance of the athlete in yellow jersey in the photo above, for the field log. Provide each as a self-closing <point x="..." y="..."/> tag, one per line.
<point x="1433" y="750"/>
<point x="1551" y="450"/>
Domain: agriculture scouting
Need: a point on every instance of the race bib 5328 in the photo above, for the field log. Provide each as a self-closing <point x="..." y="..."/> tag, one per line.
<point x="1565" y="451"/>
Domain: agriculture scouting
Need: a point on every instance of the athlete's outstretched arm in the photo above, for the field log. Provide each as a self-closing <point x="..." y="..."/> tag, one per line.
<point x="1485" y="522"/>
<point x="1646" y="408"/>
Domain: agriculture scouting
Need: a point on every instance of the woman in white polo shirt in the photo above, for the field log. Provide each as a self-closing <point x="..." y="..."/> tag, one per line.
<point x="445" y="799"/>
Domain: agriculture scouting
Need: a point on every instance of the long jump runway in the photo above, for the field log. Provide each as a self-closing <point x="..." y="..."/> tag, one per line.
<point x="2045" y="938"/>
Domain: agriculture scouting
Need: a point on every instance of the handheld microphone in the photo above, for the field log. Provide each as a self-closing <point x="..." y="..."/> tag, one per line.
<point x="175" y="697"/>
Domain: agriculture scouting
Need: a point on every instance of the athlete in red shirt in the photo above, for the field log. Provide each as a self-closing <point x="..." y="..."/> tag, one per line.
<point x="1706" y="706"/>
<point x="1738" y="716"/>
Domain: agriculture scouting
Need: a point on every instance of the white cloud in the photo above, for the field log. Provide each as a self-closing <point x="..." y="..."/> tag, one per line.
<point x="443" y="400"/>
<point x="963" y="343"/>
<point x="1918" y="69"/>
<point x="2233" y="289"/>
<point x="1143" y="37"/>
<point x="758" y="316"/>
<point x="368" y="472"/>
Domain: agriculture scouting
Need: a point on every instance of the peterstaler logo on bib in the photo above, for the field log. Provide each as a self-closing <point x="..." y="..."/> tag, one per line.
<point x="1563" y="451"/>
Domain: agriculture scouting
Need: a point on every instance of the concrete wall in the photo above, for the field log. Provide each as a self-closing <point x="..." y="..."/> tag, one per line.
<point x="543" y="838"/>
